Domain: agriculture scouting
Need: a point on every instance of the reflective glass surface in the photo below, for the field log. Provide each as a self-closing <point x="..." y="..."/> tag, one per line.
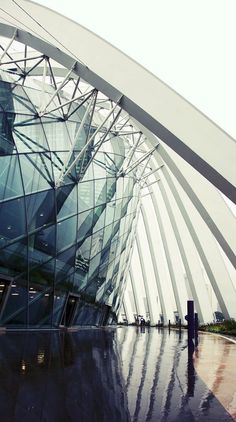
<point x="59" y="229"/>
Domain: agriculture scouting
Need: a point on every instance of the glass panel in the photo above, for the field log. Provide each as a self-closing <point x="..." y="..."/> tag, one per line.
<point x="7" y="145"/>
<point x="6" y="96"/>
<point x="99" y="218"/>
<point x="100" y="191"/>
<point x="124" y="207"/>
<point x="58" y="161"/>
<point x="80" y="278"/>
<point x="85" y="195"/>
<point x="12" y="220"/>
<point x="59" y="302"/>
<point x="29" y="135"/>
<point x="96" y="246"/>
<point x="35" y="96"/>
<point x="57" y="136"/>
<point x="89" y="173"/>
<point x="98" y="212"/>
<point x="118" y="209"/>
<point x="87" y="314"/>
<point x="73" y="128"/>
<point x="20" y="103"/>
<point x="15" y="312"/>
<point x="128" y="186"/>
<point x="65" y="263"/>
<point x="93" y="266"/>
<point x="110" y="212"/>
<point x="66" y="197"/>
<point x="99" y="166"/>
<point x="41" y="281"/>
<point x="119" y="188"/>
<point x="111" y="188"/>
<point x="85" y="222"/>
<point x="65" y="284"/>
<point x="42" y="246"/>
<point x="107" y="234"/>
<point x="36" y="171"/>
<point x="118" y="146"/>
<point x="41" y="307"/>
<point x="13" y="259"/>
<point x="104" y="257"/>
<point x="40" y="209"/>
<point x="83" y="253"/>
<point x="66" y="232"/>
<point x="10" y="177"/>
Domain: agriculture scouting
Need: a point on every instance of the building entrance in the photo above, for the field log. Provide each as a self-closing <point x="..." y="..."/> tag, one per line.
<point x="69" y="311"/>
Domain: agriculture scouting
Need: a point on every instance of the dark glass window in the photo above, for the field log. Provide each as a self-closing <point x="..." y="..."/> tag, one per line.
<point x="59" y="302"/>
<point x="64" y="278"/>
<point x="65" y="264"/>
<point x="10" y="177"/>
<point x="87" y="314"/>
<point x="7" y="145"/>
<point x="40" y="209"/>
<point x="41" y="281"/>
<point x="42" y="245"/>
<point x="12" y="220"/>
<point x="13" y="258"/>
<point x="40" y="308"/>
<point x="15" y="312"/>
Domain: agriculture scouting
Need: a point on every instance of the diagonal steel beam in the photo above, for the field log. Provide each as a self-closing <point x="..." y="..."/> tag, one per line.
<point x="8" y="45"/>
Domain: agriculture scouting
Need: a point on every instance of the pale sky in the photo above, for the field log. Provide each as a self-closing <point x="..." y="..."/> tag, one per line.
<point x="188" y="44"/>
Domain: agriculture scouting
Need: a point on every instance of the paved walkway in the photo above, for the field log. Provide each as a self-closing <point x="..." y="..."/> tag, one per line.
<point x="118" y="374"/>
<point x="215" y="363"/>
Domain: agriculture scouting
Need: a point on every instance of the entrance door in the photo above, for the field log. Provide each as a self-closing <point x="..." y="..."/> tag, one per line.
<point x="69" y="311"/>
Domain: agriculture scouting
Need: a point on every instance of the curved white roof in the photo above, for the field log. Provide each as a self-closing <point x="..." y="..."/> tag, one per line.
<point x="170" y="117"/>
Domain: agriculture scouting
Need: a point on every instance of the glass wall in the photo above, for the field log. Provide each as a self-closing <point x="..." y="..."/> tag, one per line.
<point x="64" y="247"/>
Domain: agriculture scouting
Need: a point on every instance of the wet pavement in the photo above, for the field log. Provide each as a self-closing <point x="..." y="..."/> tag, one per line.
<point x="116" y="374"/>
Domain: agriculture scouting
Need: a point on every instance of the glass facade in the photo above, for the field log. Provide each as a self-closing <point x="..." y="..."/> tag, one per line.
<point x="65" y="237"/>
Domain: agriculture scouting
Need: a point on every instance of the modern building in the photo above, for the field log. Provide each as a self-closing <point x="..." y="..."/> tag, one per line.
<point x="117" y="196"/>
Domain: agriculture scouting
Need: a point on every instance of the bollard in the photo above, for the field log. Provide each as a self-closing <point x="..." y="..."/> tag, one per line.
<point x="180" y="329"/>
<point x="196" y="329"/>
<point x="190" y="319"/>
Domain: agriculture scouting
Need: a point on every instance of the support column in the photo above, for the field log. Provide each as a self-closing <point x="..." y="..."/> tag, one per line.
<point x="167" y="253"/>
<point x="154" y="263"/>
<point x="145" y="282"/>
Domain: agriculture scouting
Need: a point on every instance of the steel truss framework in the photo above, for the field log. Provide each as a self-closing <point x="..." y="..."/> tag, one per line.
<point x="192" y="250"/>
<point x="96" y="147"/>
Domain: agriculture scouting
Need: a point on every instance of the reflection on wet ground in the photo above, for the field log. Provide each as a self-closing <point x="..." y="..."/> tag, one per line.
<point x="115" y="374"/>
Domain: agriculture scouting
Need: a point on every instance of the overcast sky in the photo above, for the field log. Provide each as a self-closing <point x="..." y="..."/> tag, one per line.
<point x="189" y="44"/>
